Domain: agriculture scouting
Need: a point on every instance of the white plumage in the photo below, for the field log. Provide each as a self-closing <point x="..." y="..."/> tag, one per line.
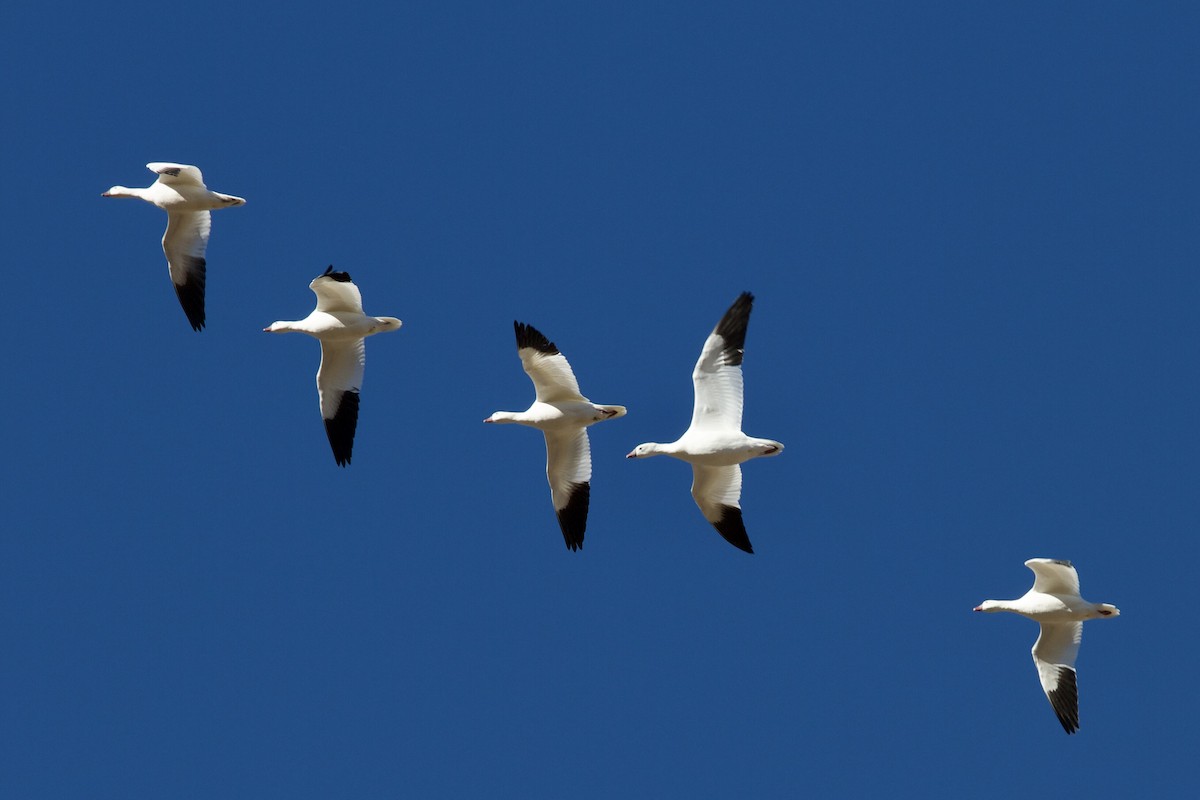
<point x="340" y="324"/>
<point x="1054" y="602"/>
<point x="714" y="443"/>
<point x="563" y="415"/>
<point x="180" y="191"/>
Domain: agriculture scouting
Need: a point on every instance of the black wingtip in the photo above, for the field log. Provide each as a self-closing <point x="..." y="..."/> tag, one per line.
<point x="191" y="294"/>
<point x="732" y="328"/>
<point x="1065" y="700"/>
<point x="341" y="277"/>
<point x="340" y="429"/>
<point x="529" y="336"/>
<point x="731" y="527"/>
<point x="572" y="518"/>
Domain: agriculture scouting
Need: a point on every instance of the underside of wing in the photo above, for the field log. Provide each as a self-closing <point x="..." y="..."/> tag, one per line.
<point x="569" y="472"/>
<point x="718" y="398"/>
<point x="717" y="492"/>
<point x="1054" y="654"/>
<point x="1063" y="694"/>
<point x="341" y="426"/>
<point x="553" y="379"/>
<point x="339" y="380"/>
<point x="184" y="244"/>
<point x="717" y="377"/>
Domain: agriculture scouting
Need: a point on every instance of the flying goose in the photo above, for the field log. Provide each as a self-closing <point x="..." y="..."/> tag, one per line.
<point x="1054" y="602"/>
<point x="339" y="322"/>
<point x="714" y="443"/>
<point x="180" y="191"/>
<point x="563" y="415"/>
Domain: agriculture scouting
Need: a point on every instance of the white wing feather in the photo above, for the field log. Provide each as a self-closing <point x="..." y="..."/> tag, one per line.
<point x="335" y="296"/>
<point x="553" y="379"/>
<point x="1054" y="577"/>
<point x="718" y="388"/>
<point x="176" y="174"/>
<point x="568" y="462"/>
<point x="341" y="371"/>
<point x="185" y="240"/>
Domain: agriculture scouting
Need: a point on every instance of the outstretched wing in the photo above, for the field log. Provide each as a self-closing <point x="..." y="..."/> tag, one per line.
<point x="184" y="245"/>
<point x="339" y="380"/>
<point x="1053" y="576"/>
<point x="1054" y="654"/>
<point x="569" y="471"/>
<point x="717" y="491"/>
<point x="717" y="378"/>
<point x="552" y="377"/>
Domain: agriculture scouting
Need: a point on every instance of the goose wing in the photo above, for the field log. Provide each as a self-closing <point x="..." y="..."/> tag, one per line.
<point x="1053" y="576"/>
<point x="184" y="245"/>
<point x="339" y="380"/>
<point x="1054" y="654"/>
<point x="717" y="377"/>
<point x="552" y="377"/>
<point x="569" y="471"/>
<point x="717" y="491"/>
<point x="336" y="292"/>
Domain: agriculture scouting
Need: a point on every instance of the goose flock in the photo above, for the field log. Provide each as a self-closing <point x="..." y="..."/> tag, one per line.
<point x="714" y="443"/>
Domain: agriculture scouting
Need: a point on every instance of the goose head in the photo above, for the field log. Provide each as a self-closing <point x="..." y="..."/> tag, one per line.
<point x="645" y="450"/>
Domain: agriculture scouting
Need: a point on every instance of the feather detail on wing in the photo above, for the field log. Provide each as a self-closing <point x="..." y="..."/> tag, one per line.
<point x="339" y="380"/>
<point x="717" y="491"/>
<point x="553" y="379"/>
<point x="184" y="244"/>
<point x="1054" y="654"/>
<point x="717" y="377"/>
<point x="569" y="472"/>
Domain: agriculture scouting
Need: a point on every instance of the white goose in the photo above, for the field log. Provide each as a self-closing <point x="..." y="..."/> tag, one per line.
<point x="180" y="191"/>
<point x="563" y="415"/>
<point x="341" y="325"/>
<point x="714" y="443"/>
<point x="1054" y="601"/>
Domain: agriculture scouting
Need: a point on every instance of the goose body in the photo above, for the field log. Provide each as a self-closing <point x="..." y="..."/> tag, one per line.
<point x="563" y="414"/>
<point x="714" y="443"/>
<point x="1054" y="602"/>
<point x="180" y="191"/>
<point x="339" y="323"/>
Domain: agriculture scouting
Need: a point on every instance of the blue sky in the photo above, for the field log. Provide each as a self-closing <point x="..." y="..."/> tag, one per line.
<point x="970" y="229"/>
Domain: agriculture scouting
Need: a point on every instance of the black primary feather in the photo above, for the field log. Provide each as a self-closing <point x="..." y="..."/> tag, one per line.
<point x="340" y="429"/>
<point x="572" y="517"/>
<point x="731" y="527"/>
<point x="732" y="328"/>
<point x="341" y="277"/>
<point x="529" y="336"/>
